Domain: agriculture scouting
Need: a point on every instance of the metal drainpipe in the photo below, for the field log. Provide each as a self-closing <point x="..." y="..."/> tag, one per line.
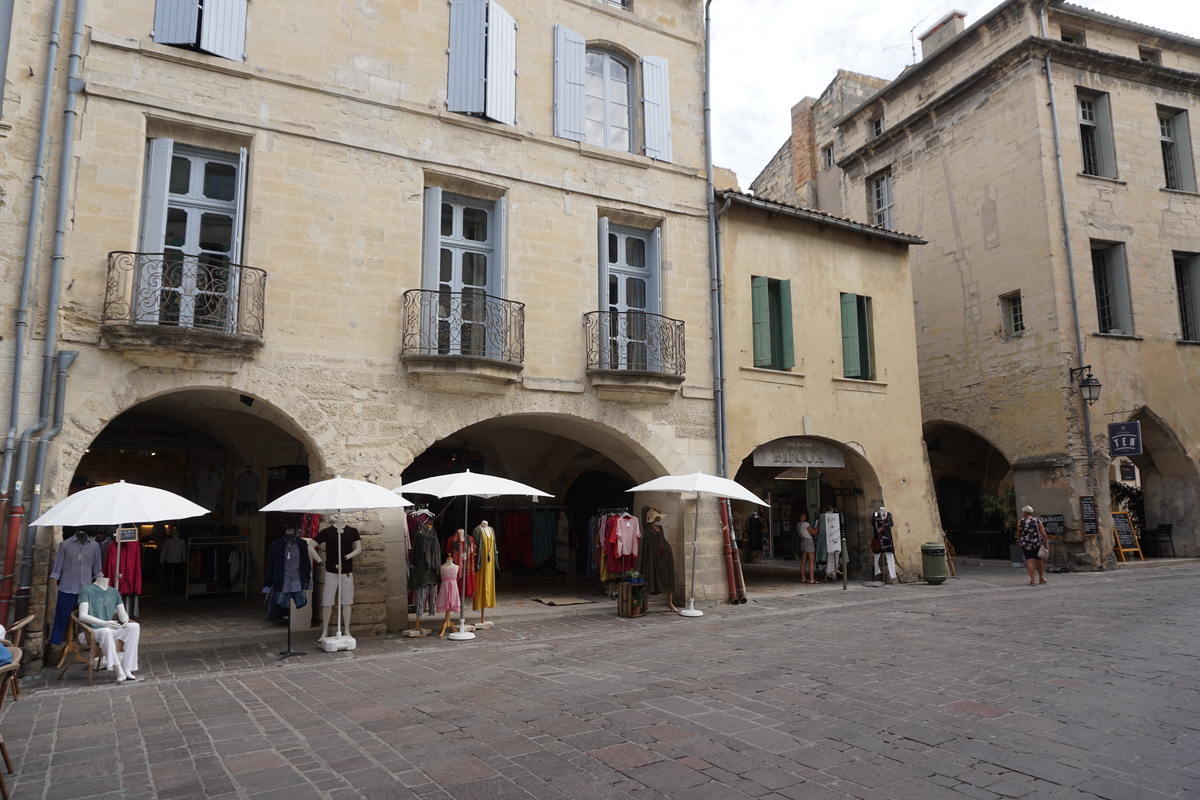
<point x="1066" y="224"/>
<point x="714" y="263"/>
<point x="74" y="86"/>
<point x="31" y="237"/>
<point x="65" y="359"/>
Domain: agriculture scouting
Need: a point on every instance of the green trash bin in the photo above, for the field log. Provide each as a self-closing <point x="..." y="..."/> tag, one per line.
<point x="933" y="562"/>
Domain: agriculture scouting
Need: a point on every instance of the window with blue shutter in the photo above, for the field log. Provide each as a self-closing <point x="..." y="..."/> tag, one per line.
<point x="482" y="76"/>
<point x="217" y="27"/>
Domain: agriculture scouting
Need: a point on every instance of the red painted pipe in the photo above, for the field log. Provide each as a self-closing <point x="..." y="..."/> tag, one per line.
<point x="10" y="555"/>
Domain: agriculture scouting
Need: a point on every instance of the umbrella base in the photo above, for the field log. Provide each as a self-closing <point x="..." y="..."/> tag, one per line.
<point x="289" y="654"/>
<point x="331" y="644"/>
<point x="691" y="610"/>
<point x="461" y="636"/>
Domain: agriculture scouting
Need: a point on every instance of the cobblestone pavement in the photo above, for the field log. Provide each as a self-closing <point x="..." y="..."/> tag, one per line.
<point x="982" y="687"/>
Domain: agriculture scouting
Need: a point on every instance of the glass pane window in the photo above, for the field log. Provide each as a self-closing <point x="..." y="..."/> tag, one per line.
<point x="220" y="180"/>
<point x="608" y="101"/>
<point x="181" y="175"/>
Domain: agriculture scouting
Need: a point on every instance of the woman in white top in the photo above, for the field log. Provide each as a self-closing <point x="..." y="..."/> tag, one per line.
<point x="808" y="550"/>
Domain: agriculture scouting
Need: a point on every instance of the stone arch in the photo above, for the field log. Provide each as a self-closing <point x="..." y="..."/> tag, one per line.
<point x="1170" y="481"/>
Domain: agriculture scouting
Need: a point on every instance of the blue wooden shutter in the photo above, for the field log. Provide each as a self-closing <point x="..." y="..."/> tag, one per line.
<point x="656" y="107"/>
<point x="787" y="353"/>
<point x="154" y="195"/>
<point x="224" y="29"/>
<point x="570" y="62"/>
<point x="653" y="261"/>
<point x="175" y="21"/>
<point x="239" y="219"/>
<point x="602" y="264"/>
<point x="496" y="274"/>
<point x="432" y="238"/>
<point x="501" y="65"/>
<point x="760" y="309"/>
<point x="467" y="79"/>
<point x="852" y="366"/>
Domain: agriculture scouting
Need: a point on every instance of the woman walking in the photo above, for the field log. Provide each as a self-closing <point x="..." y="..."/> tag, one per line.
<point x="1034" y="544"/>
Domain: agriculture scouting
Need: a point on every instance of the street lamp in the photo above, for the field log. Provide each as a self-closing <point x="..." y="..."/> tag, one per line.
<point x="1089" y="387"/>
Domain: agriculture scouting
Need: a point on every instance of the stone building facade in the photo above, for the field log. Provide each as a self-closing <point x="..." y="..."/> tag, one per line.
<point x="822" y="418"/>
<point x="376" y="241"/>
<point x="1046" y="154"/>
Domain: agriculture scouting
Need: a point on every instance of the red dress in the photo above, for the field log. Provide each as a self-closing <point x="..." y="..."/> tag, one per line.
<point x="454" y="547"/>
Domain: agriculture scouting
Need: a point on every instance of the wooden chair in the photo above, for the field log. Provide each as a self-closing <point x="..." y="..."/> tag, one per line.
<point x="88" y="652"/>
<point x="13" y="638"/>
<point x="8" y="674"/>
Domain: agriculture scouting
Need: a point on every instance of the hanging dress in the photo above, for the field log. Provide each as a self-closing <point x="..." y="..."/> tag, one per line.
<point x="454" y="548"/>
<point x="658" y="560"/>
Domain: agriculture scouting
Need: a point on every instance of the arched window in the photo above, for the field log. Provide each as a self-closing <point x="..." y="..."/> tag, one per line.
<point x="608" y="90"/>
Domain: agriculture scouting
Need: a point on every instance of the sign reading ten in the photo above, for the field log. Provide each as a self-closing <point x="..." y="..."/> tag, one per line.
<point x="1124" y="439"/>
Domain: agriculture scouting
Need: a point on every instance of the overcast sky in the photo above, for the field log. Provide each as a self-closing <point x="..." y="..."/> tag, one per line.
<point x="770" y="54"/>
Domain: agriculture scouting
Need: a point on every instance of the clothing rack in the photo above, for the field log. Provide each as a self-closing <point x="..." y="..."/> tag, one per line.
<point x="620" y="510"/>
<point x="525" y="508"/>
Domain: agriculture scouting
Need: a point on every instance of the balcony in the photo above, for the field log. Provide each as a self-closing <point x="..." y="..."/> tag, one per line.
<point x="463" y="341"/>
<point x="634" y="356"/>
<point x="200" y="304"/>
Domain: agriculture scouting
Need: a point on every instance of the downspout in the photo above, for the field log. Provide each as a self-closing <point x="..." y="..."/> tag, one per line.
<point x="74" y="86"/>
<point x="714" y="262"/>
<point x="1066" y="224"/>
<point x="31" y="237"/>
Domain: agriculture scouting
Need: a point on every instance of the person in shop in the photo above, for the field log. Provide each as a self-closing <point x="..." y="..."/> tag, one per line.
<point x="808" y="549"/>
<point x="340" y="549"/>
<point x="173" y="558"/>
<point x="882" y="543"/>
<point x="98" y="604"/>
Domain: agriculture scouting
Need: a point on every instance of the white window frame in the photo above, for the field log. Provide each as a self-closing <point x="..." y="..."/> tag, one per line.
<point x="651" y="73"/>
<point x="1097" y="153"/>
<point x="1187" y="293"/>
<point x="1014" y="314"/>
<point x="613" y="96"/>
<point x="431" y="252"/>
<point x="217" y="27"/>
<point x="156" y="198"/>
<point x="1114" y="313"/>
<point x="482" y="61"/>
<point x="876" y="126"/>
<point x="1173" y="134"/>
<point x="882" y="199"/>
<point x="827" y="157"/>
<point x="624" y="339"/>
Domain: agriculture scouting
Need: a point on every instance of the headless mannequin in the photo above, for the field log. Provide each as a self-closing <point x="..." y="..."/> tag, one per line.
<point x="654" y="519"/>
<point x="109" y="632"/>
<point x="332" y="557"/>
<point x="449" y="575"/>
<point x="485" y="571"/>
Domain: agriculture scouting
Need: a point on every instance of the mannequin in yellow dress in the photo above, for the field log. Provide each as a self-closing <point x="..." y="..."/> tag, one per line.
<point x="485" y="569"/>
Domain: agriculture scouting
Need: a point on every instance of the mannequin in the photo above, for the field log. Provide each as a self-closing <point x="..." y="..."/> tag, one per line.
<point x="423" y="573"/>
<point x="454" y="548"/>
<point x="344" y="540"/>
<point x="97" y="604"/>
<point x="448" y="599"/>
<point x="173" y="556"/>
<point x="485" y="570"/>
<point x="882" y="524"/>
<point x="657" y="559"/>
<point x="76" y="565"/>
<point x="754" y="532"/>
<point x="289" y="570"/>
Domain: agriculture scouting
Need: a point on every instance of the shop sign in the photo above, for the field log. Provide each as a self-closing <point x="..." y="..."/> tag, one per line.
<point x="1124" y="439"/>
<point x="798" y="451"/>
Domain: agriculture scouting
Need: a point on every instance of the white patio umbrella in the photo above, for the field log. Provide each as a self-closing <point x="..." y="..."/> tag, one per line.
<point x="335" y="496"/>
<point x="466" y="485"/>
<point x="699" y="484"/>
<point x="119" y="504"/>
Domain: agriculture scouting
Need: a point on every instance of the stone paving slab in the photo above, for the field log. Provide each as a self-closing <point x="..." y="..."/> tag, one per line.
<point x="978" y="688"/>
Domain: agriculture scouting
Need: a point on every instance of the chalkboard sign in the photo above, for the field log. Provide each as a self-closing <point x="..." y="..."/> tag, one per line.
<point x="1055" y="524"/>
<point x="127" y="534"/>
<point x="1087" y="508"/>
<point x="1127" y="541"/>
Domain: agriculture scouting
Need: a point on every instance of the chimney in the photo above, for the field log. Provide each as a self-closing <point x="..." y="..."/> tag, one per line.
<point x="942" y="31"/>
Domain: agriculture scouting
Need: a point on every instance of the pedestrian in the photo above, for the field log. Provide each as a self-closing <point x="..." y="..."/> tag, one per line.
<point x="1034" y="544"/>
<point x="882" y="543"/>
<point x="808" y="550"/>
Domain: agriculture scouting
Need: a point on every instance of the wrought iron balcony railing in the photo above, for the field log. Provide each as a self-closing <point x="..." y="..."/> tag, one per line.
<point x="469" y="323"/>
<point x="174" y="290"/>
<point x="634" y="340"/>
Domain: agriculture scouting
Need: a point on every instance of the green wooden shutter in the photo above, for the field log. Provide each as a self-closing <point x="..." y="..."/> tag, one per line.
<point x="851" y="344"/>
<point x="761" y="315"/>
<point x="787" y="350"/>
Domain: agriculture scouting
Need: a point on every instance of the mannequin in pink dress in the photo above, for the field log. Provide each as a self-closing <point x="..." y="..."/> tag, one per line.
<point x="448" y="599"/>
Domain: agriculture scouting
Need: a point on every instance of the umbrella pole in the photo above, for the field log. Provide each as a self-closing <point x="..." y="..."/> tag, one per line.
<point x="462" y="634"/>
<point x="691" y="610"/>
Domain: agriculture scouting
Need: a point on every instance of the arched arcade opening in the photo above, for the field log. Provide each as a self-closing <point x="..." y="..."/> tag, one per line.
<point x="966" y="469"/>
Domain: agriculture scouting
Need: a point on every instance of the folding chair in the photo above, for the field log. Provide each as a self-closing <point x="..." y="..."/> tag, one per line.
<point x="13" y="638"/>
<point x="8" y="674"/>
<point x="87" y="652"/>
